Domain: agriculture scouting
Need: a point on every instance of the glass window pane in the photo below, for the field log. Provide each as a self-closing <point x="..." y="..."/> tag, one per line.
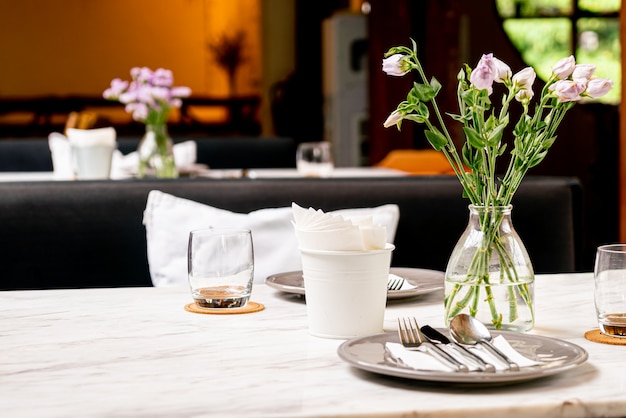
<point x="530" y="8"/>
<point x="600" y="6"/>
<point x="529" y="37"/>
<point x="599" y="44"/>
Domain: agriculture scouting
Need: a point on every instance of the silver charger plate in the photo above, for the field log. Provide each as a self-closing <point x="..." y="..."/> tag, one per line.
<point x="556" y="356"/>
<point x="425" y="281"/>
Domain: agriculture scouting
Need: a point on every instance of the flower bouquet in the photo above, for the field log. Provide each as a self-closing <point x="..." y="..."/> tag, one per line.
<point x="490" y="256"/>
<point x="149" y="97"/>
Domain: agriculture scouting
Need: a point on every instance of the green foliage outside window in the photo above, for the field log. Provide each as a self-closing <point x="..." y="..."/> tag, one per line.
<point x="541" y="30"/>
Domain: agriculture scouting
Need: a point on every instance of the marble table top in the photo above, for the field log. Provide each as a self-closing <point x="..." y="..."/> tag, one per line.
<point x="137" y="352"/>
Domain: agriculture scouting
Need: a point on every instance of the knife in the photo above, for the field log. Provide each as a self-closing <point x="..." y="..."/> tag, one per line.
<point x="437" y="337"/>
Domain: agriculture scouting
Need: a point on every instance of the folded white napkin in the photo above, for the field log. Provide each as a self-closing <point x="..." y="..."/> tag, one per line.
<point x="420" y="360"/>
<point x="122" y="166"/>
<point x="316" y="230"/>
<point x="61" y="153"/>
<point x="405" y="284"/>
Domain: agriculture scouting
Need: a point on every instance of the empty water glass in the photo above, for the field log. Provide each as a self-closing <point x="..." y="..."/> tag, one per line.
<point x="610" y="289"/>
<point x="314" y="159"/>
<point x="221" y="267"/>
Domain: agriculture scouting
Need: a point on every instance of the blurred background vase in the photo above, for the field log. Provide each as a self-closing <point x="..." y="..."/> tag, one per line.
<point x="156" y="154"/>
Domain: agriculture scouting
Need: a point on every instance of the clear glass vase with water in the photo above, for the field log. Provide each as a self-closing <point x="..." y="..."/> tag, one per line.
<point x="489" y="274"/>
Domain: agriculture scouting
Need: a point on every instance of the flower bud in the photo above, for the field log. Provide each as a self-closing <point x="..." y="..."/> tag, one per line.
<point x="598" y="87"/>
<point x="568" y="90"/>
<point x="393" y="119"/>
<point x="482" y="76"/>
<point x="524" y="79"/>
<point x="564" y="67"/>
<point x="501" y="70"/>
<point x="524" y="95"/>
<point x="583" y="72"/>
<point x="396" y="65"/>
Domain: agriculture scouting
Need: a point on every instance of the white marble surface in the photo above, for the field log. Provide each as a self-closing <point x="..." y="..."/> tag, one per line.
<point x="137" y="352"/>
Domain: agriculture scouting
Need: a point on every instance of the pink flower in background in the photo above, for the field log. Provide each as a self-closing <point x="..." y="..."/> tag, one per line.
<point x="149" y="96"/>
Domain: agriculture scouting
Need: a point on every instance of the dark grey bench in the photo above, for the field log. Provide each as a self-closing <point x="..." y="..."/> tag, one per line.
<point x="33" y="154"/>
<point x="90" y="233"/>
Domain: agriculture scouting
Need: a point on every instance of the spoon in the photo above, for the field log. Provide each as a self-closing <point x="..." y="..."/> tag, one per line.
<point x="466" y="329"/>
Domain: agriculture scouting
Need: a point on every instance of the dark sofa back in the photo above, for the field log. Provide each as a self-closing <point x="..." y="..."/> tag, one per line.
<point x="90" y="233"/>
<point x="33" y="154"/>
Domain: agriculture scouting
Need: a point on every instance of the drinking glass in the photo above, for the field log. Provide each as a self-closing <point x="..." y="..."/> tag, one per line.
<point x="221" y="267"/>
<point x="92" y="152"/>
<point x="314" y="159"/>
<point x="610" y="289"/>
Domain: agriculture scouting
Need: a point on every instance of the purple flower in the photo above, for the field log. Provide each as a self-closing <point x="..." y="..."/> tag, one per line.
<point x="150" y="95"/>
<point x="483" y="75"/>
<point x="568" y="90"/>
<point x="181" y="91"/>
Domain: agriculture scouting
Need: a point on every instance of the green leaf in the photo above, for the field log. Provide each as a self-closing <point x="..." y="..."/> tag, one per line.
<point x="495" y="136"/>
<point x="415" y="118"/>
<point x="435" y="85"/>
<point x="473" y="137"/>
<point x="537" y="159"/>
<point x="436" y="139"/>
<point x="467" y="96"/>
<point x="423" y="92"/>
<point x="548" y="142"/>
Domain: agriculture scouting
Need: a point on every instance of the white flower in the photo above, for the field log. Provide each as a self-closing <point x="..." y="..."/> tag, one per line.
<point x="598" y="87"/>
<point x="568" y="90"/>
<point x="583" y="72"/>
<point x="501" y="70"/>
<point x="564" y="67"/>
<point x="524" y="80"/>
<point x="396" y="65"/>
<point x="393" y="119"/>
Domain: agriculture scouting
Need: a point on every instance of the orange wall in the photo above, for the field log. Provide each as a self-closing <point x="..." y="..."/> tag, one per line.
<point x="75" y="47"/>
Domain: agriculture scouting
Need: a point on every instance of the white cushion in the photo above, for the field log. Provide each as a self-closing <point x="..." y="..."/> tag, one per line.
<point x="169" y="219"/>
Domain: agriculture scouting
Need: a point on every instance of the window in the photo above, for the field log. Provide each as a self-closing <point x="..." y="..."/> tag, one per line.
<point x="545" y="31"/>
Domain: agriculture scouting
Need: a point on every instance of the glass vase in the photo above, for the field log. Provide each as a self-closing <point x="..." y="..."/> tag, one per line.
<point x="489" y="274"/>
<point x="156" y="154"/>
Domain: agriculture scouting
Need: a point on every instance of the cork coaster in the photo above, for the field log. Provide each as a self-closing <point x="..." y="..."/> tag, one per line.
<point x="596" y="336"/>
<point x="249" y="308"/>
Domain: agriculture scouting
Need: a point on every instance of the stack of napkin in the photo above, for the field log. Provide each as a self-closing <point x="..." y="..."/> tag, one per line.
<point x="122" y="166"/>
<point x="316" y="230"/>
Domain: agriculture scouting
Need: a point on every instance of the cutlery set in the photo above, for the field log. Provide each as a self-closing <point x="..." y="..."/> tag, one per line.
<point x="465" y="331"/>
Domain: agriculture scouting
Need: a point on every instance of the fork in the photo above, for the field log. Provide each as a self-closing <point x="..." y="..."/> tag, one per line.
<point x="411" y="338"/>
<point x="395" y="282"/>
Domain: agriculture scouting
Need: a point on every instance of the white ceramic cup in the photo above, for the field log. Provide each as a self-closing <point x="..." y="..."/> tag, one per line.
<point x="220" y="267"/>
<point x="345" y="291"/>
<point x="314" y="159"/>
<point x="92" y="152"/>
<point x="610" y="289"/>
